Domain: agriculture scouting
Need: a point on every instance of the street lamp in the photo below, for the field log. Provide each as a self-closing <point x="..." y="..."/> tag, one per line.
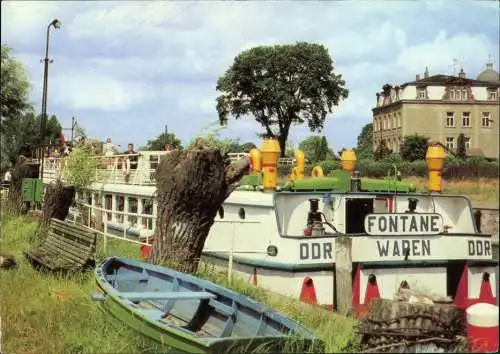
<point x="43" y="123"/>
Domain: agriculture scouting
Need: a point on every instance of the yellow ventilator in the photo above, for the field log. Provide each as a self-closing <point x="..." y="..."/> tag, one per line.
<point x="298" y="171"/>
<point x="348" y="160"/>
<point x="435" y="157"/>
<point x="255" y="159"/>
<point x="270" y="153"/>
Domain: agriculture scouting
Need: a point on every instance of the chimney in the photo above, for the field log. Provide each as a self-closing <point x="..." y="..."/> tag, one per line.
<point x="426" y="73"/>
<point x="417" y="78"/>
<point x="461" y="74"/>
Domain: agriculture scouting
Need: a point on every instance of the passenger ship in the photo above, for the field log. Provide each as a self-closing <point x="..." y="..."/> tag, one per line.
<point x="288" y="239"/>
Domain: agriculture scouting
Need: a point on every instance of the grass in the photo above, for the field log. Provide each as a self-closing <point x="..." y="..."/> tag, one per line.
<point x="43" y="313"/>
<point x="483" y="192"/>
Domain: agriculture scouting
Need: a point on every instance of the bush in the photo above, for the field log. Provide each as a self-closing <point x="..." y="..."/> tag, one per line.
<point x="474" y="167"/>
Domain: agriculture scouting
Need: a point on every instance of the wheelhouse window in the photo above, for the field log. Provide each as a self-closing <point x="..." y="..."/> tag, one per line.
<point x="120" y="206"/>
<point x="132" y="208"/>
<point x="148" y="209"/>
<point x="108" y="204"/>
<point x="450" y="119"/>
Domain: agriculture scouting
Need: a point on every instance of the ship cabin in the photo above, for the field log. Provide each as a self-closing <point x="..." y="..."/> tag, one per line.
<point x="286" y="238"/>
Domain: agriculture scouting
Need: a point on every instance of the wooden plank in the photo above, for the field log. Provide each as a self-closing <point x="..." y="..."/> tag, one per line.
<point x="69" y="253"/>
<point x="87" y="238"/>
<point x="181" y="295"/>
<point x="138" y="278"/>
<point x="38" y="260"/>
<point x="75" y="236"/>
<point x="51" y="257"/>
<point x="343" y="274"/>
<point x="75" y="228"/>
<point x="57" y="252"/>
<point x="222" y="308"/>
<point x="72" y="244"/>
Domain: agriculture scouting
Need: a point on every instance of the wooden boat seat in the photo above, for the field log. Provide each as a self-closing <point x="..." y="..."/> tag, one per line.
<point x="67" y="247"/>
<point x="156" y="295"/>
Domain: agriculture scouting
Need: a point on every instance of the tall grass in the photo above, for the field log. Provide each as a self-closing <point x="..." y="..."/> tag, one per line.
<point x="44" y="313"/>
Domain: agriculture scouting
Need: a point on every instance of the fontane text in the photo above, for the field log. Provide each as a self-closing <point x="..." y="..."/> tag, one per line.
<point x="403" y="224"/>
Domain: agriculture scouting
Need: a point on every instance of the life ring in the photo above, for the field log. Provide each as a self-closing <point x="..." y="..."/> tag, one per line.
<point x="317" y="171"/>
<point x="126" y="166"/>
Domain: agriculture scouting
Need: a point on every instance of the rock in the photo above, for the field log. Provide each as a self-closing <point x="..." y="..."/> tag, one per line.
<point x="7" y="261"/>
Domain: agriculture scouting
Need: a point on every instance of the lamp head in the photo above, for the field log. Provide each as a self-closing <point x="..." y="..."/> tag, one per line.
<point x="56" y="23"/>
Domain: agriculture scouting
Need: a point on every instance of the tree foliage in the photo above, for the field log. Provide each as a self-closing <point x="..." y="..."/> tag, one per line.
<point x="414" y="147"/>
<point x="461" y="148"/>
<point x="315" y="149"/>
<point x="18" y="137"/>
<point x="281" y="86"/>
<point x="158" y="143"/>
<point x="364" y="149"/>
<point x="15" y="86"/>
<point x="79" y="169"/>
<point x="382" y="151"/>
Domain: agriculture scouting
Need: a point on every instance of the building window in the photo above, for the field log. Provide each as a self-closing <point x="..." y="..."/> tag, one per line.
<point x="466" y="119"/>
<point x="132" y="208"/>
<point x="467" y="142"/>
<point x="450" y="142"/>
<point x="485" y="119"/>
<point x="492" y="95"/>
<point x="452" y="94"/>
<point x="450" y="119"/>
<point x="464" y="95"/>
<point x="421" y="94"/>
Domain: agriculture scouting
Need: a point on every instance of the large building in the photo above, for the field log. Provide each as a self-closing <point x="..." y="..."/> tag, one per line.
<point x="441" y="107"/>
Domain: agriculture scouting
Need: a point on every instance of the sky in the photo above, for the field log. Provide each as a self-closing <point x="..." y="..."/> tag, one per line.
<point x="127" y="69"/>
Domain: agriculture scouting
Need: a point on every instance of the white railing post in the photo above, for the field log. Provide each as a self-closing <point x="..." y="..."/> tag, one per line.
<point x="105" y="239"/>
<point x="230" y="261"/>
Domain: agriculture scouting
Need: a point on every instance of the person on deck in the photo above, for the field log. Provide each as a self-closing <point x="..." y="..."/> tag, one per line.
<point x="132" y="159"/>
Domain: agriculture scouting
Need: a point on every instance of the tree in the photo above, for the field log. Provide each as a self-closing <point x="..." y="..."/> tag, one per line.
<point x="364" y="149"/>
<point x="281" y="86"/>
<point x="17" y="127"/>
<point x="461" y="148"/>
<point x="382" y="150"/>
<point x="19" y="135"/>
<point x="14" y="86"/>
<point x="158" y="143"/>
<point x="188" y="201"/>
<point x="316" y="149"/>
<point x="414" y="147"/>
<point x="237" y="147"/>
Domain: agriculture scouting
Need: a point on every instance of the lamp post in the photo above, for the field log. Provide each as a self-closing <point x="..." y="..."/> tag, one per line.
<point x="43" y="123"/>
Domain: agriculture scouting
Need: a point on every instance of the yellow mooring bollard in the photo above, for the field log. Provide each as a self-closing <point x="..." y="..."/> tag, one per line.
<point x="348" y="160"/>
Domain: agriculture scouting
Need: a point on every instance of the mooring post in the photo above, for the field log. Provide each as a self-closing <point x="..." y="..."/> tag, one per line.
<point x="343" y="274"/>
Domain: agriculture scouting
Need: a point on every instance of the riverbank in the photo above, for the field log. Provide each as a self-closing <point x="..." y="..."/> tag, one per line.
<point x="42" y="313"/>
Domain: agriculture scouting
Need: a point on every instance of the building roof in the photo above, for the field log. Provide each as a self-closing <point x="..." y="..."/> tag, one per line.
<point x="489" y="74"/>
<point x="448" y="79"/>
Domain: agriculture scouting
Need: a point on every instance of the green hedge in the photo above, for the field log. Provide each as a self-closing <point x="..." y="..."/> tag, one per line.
<point x="454" y="169"/>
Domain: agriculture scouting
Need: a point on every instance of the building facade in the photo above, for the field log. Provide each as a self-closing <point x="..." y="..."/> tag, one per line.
<point x="441" y="107"/>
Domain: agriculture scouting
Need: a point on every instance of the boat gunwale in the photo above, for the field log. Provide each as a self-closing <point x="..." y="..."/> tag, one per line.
<point x="294" y="327"/>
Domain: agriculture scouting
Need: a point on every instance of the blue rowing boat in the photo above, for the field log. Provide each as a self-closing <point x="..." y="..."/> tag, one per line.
<point x="193" y="315"/>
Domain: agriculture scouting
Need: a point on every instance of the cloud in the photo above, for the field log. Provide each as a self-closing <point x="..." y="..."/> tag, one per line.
<point x="131" y="61"/>
<point x="471" y="50"/>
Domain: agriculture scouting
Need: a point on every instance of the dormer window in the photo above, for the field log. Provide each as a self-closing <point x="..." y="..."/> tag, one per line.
<point x="421" y="94"/>
<point x="492" y="95"/>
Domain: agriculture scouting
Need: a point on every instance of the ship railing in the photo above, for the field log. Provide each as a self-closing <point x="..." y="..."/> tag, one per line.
<point x="112" y="169"/>
<point x="96" y="214"/>
<point x="283" y="161"/>
<point x="95" y="210"/>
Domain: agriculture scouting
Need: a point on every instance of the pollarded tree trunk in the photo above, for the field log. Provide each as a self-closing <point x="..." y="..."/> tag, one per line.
<point x="15" y="204"/>
<point x="58" y="198"/>
<point x="191" y="185"/>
